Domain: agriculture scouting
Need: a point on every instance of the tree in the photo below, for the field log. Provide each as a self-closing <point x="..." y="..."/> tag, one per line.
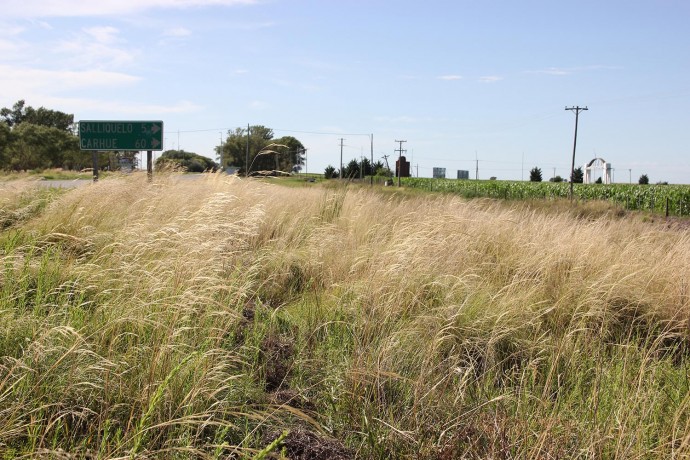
<point x="556" y="179"/>
<point x="15" y="115"/>
<point x="535" y="174"/>
<point x="578" y="176"/>
<point x="329" y="172"/>
<point x="36" y="138"/>
<point x="235" y="150"/>
<point x="5" y="142"/>
<point x="644" y="180"/>
<point x="38" y="147"/>
<point x="21" y="113"/>
<point x="190" y="161"/>
<point x="351" y="171"/>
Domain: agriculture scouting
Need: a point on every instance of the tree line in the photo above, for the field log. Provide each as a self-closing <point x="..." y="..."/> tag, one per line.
<point x="36" y="139"/>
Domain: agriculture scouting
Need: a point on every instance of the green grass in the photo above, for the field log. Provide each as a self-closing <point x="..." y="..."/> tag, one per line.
<point x="234" y="318"/>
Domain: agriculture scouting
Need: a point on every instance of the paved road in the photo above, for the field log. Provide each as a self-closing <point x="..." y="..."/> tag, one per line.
<point x="64" y="183"/>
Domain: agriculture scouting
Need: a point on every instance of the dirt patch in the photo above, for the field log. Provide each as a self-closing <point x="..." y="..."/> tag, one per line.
<point x="277" y="351"/>
<point x="303" y="444"/>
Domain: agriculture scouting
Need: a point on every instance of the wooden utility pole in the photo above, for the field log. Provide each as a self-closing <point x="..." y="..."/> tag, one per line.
<point x="246" y="164"/>
<point x="341" y="157"/>
<point x="399" y="168"/>
<point x="577" y="111"/>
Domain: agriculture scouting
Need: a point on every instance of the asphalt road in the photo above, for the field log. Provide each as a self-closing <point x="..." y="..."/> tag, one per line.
<point x="64" y="183"/>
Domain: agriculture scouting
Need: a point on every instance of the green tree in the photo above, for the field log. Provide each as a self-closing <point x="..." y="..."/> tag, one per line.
<point x="329" y="172"/>
<point x="5" y="142"/>
<point x="15" y="115"/>
<point x="643" y="180"/>
<point x="21" y="113"/>
<point x="535" y="175"/>
<point x="578" y="176"/>
<point x="556" y="179"/>
<point x="190" y="161"/>
<point x="36" y="146"/>
<point x="234" y="150"/>
<point x="351" y="171"/>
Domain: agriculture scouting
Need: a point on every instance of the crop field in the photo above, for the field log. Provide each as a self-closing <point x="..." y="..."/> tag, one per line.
<point x="654" y="198"/>
<point x="224" y="318"/>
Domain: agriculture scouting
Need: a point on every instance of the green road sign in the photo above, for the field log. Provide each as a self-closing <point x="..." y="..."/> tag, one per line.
<point x="120" y="135"/>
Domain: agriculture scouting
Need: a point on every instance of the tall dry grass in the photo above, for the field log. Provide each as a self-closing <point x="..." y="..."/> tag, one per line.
<point x="201" y="318"/>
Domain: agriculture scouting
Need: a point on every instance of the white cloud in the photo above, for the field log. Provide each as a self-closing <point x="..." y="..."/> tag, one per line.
<point x="450" y="77"/>
<point x="75" y="8"/>
<point x="129" y="108"/>
<point x="490" y="79"/>
<point x="96" y="47"/>
<point x="8" y="30"/>
<point x="103" y="34"/>
<point x="25" y="81"/>
<point x="552" y="71"/>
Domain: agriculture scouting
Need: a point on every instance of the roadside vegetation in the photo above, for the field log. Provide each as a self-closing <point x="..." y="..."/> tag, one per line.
<point x="233" y="318"/>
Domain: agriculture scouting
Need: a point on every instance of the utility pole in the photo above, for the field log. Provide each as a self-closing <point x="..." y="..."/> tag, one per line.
<point x="476" y="171"/>
<point x="554" y="173"/>
<point x="246" y="164"/>
<point x="385" y="158"/>
<point x="630" y="174"/>
<point x="400" y="151"/>
<point x="341" y="157"/>
<point x="372" y="160"/>
<point x="220" y="152"/>
<point x="577" y="111"/>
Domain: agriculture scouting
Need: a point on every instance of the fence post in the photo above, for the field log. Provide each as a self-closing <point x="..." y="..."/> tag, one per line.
<point x="666" y="206"/>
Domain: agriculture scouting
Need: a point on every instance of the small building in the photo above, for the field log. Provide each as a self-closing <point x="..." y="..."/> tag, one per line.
<point x="439" y="173"/>
<point x="402" y="167"/>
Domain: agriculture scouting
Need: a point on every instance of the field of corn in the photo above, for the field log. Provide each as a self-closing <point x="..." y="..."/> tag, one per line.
<point x="674" y="199"/>
<point x="225" y="318"/>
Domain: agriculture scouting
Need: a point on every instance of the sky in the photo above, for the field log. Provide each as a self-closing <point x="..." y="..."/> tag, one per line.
<point x="478" y="85"/>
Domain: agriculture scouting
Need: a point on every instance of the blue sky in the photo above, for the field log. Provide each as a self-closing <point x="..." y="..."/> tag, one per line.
<point x="460" y="81"/>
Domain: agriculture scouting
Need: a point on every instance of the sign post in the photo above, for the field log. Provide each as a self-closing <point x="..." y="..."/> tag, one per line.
<point x="114" y="135"/>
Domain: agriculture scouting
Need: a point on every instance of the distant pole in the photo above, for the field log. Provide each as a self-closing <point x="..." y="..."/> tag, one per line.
<point x="372" y="159"/>
<point x="476" y="161"/>
<point x="554" y="173"/>
<point x="94" y="159"/>
<point x="341" y="158"/>
<point x="246" y="163"/>
<point x="220" y="151"/>
<point x="577" y="111"/>
<point x="630" y="174"/>
<point x="399" y="167"/>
